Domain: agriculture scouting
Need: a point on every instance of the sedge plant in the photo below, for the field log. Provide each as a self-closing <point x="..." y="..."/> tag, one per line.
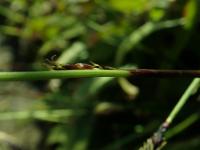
<point x="156" y="141"/>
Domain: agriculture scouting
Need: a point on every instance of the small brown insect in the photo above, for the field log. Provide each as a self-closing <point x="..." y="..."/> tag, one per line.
<point x="80" y="66"/>
<point x="77" y="66"/>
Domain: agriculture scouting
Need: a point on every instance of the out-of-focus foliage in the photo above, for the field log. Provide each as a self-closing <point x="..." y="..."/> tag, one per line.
<point x="96" y="113"/>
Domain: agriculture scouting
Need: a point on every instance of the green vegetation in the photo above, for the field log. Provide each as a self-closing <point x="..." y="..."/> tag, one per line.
<point x="59" y="110"/>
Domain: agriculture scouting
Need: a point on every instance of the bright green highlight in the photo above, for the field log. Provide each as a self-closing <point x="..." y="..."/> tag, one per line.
<point x="48" y="115"/>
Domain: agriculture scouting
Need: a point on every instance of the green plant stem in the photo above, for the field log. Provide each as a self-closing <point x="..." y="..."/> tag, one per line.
<point x="157" y="139"/>
<point x="193" y="87"/>
<point x="60" y="74"/>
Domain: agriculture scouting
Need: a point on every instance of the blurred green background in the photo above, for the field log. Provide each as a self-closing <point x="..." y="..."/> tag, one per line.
<point x="97" y="113"/>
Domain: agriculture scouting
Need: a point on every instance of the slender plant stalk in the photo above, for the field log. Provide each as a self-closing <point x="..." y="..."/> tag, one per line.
<point x="60" y="74"/>
<point x="157" y="141"/>
<point x="164" y="73"/>
<point x="193" y="87"/>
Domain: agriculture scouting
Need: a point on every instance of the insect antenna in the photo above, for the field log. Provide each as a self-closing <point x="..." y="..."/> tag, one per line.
<point x="95" y="65"/>
<point x="51" y="63"/>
